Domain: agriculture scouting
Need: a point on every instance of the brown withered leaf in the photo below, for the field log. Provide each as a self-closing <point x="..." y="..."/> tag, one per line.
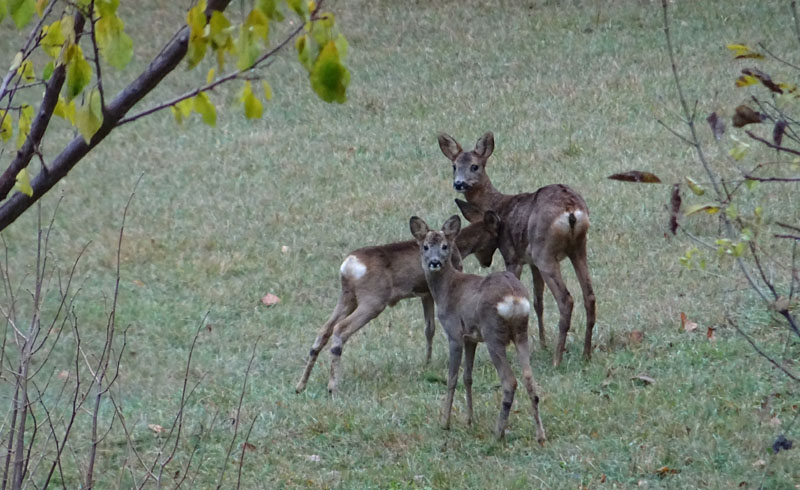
<point x="270" y="299"/>
<point x="675" y="208"/>
<point x="745" y="115"/>
<point x="717" y="126"/>
<point x="665" y="471"/>
<point x="763" y="78"/>
<point x="636" y="176"/>
<point x="635" y="337"/>
<point x="777" y="132"/>
<point x="249" y="447"/>
<point x="711" y="335"/>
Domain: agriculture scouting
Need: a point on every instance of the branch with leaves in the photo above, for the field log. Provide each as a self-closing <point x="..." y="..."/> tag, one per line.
<point x="74" y="83"/>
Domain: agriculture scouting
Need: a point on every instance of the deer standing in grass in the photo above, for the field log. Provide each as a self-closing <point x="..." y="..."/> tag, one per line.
<point x="373" y="278"/>
<point x="492" y="309"/>
<point x="539" y="229"/>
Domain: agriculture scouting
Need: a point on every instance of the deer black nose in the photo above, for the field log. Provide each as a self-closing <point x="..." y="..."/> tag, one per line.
<point x="434" y="264"/>
<point x="460" y="185"/>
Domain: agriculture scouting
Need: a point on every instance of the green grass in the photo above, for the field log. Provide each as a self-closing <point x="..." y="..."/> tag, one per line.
<point x="572" y="92"/>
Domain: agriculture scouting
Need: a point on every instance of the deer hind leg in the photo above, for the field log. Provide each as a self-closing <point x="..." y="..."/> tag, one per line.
<point x="538" y="303"/>
<point x="581" y="266"/>
<point x="430" y="324"/>
<point x="343" y="330"/>
<point x="469" y="359"/>
<point x="344" y="307"/>
<point x="456" y="348"/>
<point x="509" y="383"/>
<point x="551" y="273"/>
<point x="523" y="356"/>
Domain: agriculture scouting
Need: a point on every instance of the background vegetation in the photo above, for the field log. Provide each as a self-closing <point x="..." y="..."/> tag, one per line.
<point x="572" y="92"/>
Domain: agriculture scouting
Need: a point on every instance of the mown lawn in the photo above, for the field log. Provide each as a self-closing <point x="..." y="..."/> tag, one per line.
<point x="572" y="91"/>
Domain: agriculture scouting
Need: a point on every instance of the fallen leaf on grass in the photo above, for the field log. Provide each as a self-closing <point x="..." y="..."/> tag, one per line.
<point x="665" y="471"/>
<point x="686" y="325"/>
<point x="712" y="337"/>
<point x="270" y="299"/>
<point x="635" y="337"/>
<point x="249" y="447"/>
<point x="760" y="464"/>
<point x="138" y="283"/>
<point x="644" y="378"/>
<point x="157" y="429"/>
<point x="636" y="176"/>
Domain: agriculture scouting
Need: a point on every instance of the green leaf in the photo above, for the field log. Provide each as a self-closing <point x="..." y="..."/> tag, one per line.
<point x="65" y="110"/>
<point x="731" y="212"/>
<point x="219" y="29"/>
<point x="303" y="51"/>
<point x="3" y="10"/>
<point x="106" y="8"/>
<point x="198" y="37"/>
<point x="739" y="151"/>
<point x="21" y="11"/>
<point x="89" y="116"/>
<point x="48" y="71"/>
<point x="269" y="9"/>
<point x="246" y="49"/>
<point x="115" y="45"/>
<point x="299" y="6"/>
<point x="23" y="183"/>
<point x="182" y="110"/>
<point x="329" y="78"/>
<point x="253" y="109"/>
<point x="322" y="28"/>
<point x="24" y="123"/>
<point x="79" y="72"/>
<point x="258" y="24"/>
<point x="751" y="184"/>
<point x="708" y="208"/>
<point x="341" y="46"/>
<point x="16" y="61"/>
<point x="204" y="107"/>
<point x="695" y="187"/>
<point x="6" y="126"/>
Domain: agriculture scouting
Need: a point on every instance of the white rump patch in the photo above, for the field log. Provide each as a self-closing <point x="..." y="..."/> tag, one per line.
<point x="562" y="222"/>
<point x="513" y="306"/>
<point x="353" y="268"/>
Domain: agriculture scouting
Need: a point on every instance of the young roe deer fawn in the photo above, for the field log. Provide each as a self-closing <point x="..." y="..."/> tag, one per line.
<point x="492" y="309"/>
<point x="373" y="278"/>
<point x="539" y="229"/>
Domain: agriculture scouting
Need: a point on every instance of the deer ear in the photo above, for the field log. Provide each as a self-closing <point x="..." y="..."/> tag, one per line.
<point x="451" y="227"/>
<point x="470" y="211"/>
<point x="418" y="228"/>
<point x="492" y="222"/>
<point x="485" y="146"/>
<point x="449" y="146"/>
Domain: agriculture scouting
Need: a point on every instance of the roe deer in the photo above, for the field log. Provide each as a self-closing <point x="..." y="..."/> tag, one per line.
<point x="493" y="309"/>
<point x="539" y="228"/>
<point x="373" y="278"/>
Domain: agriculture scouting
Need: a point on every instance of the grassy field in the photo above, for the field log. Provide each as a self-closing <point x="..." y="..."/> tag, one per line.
<point x="572" y="91"/>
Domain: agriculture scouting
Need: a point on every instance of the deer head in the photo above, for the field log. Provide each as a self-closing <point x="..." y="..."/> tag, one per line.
<point x="468" y="166"/>
<point x="436" y="246"/>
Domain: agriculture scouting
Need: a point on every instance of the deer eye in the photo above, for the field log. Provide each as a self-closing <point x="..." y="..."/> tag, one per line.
<point x="444" y="247"/>
<point x="474" y="168"/>
<point x="454" y="168"/>
<point x="425" y="247"/>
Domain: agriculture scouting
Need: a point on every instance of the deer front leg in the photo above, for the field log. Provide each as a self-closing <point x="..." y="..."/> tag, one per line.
<point x="430" y="324"/>
<point x="498" y="354"/>
<point x="456" y="348"/>
<point x="523" y="356"/>
<point x="469" y="358"/>
<point x="538" y="303"/>
<point x="342" y="331"/>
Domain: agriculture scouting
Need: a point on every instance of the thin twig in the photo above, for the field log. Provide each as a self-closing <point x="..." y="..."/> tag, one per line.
<point x="758" y="349"/>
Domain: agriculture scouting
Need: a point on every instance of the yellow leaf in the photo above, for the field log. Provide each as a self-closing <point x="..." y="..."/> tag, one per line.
<point x="53" y="39"/>
<point x="204" y="107"/>
<point x="25" y="119"/>
<point x="65" y="110"/>
<point x="745" y="80"/>
<point x="743" y="51"/>
<point x="257" y="23"/>
<point x="708" y="208"/>
<point x="182" y="110"/>
<point x="252" y="106"/>
<point x="6" y="127"/>
<point x="267" y="90"/>
<point x="25" y="70"/>
<point x="89" y="116"/>
<point x="695" y="187"/>
<point x="16" y="61"/>
<point x="23" y="183"/>
<point x="210" y="76"/>
<point x="40" y="5"/>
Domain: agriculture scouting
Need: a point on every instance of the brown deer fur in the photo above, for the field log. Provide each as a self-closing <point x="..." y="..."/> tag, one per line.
<point x="539" y="229"/>
<point x="493" y="309"/>
<point x="373" y="278"/>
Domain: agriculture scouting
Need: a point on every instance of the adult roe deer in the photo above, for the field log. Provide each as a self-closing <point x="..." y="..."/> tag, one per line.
<point x="493" y="309"/>
<point x="539" y="229"/>
<point x="373" y="278"/>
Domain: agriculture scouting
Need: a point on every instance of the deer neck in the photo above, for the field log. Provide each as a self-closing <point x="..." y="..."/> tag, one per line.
<point x="440" y="283"/>
<point x="485" y="196"/>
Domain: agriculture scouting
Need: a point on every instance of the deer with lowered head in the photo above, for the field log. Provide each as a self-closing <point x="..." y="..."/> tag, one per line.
<point x="492" y="309"/>
<point x="373" y="278"/>
<point x="539" y="229"/>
